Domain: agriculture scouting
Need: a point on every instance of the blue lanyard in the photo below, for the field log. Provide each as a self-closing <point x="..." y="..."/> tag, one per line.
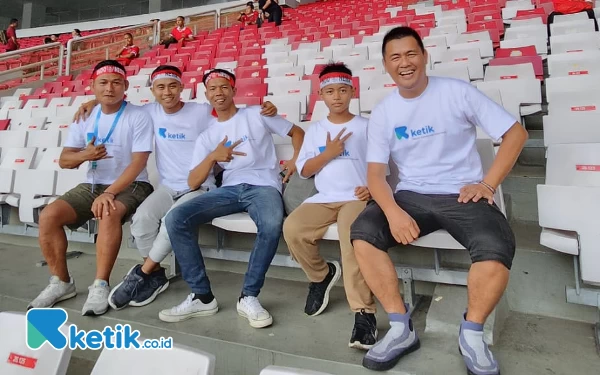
<point x="113" y="126"/>
<point x="94" y="164"/>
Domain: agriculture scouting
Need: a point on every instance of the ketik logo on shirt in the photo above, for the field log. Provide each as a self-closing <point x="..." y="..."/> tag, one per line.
<point x="243" y="139"/>
<point x="162" y="132"/>
<point x="344" y="153"/>
<point x="403" y="132"/>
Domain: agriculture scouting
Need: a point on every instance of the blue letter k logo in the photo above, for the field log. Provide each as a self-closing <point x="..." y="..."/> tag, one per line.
<point x="401" y="132"/>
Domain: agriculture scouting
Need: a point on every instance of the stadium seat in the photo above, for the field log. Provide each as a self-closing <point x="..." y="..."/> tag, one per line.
<point x="574" y="42"/>
<point x="568" y="202"/>
<point x="469" y="57"/>
<point x="577" y="63"/>
<point x="452" y="70"/>
<point x="502" y="72"/>
<point x="582" y="101"/>
<point x="278" y="370"/>
<point x="535" y="61"/>
<point x="516" y="93"/>
<point x="570" y="84"/>
<point x="13" y="159"/>
<point x="583" y="128"/>
<point x="541" y="44"/>
<point x="572" y="27"/>
<point x="178" y="360"/>
<point x="19" y="359"/>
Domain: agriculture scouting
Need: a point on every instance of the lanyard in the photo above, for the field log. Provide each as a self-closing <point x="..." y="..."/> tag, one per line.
<point x="94" y="164"/>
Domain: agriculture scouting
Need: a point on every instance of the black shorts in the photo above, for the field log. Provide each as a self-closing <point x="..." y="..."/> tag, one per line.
<point x="480" y="227"/>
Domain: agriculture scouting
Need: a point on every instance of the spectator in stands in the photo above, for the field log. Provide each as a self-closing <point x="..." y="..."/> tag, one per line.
<point x="55" y="38"/>
<point x="179" y="34"/>
<point x="334" y="151"/>
<point x="570" y="7"/>
<point x="76" y="33"/>
<point x="272" y="10"/>
<point x="116" y="141"/>
<point x="11" y="35"/>
<point x="241" y="143"/>
<point x="47" y="40"/>
<point x="176" y="128"/>
<point x="129" y="52"/>
<point x="249" y="16"/>
<point x="428" y="127"/>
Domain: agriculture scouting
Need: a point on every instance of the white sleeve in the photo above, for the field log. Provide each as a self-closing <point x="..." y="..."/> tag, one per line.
<point x="75" y="136"/>
<point x="200" y="151"/>
<point x="143" y="132"/>
<point x="307" y="151"/>
<point x="378" y="139"/>
<point x="486" y="113"/>
<point x="276" y="124"/>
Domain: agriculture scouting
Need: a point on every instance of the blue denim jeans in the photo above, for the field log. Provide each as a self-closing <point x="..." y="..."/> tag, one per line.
<point x="265" y="206"/>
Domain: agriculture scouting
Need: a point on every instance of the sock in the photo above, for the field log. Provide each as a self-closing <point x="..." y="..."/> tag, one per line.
<point x="204" y="298"/>
<point x="141" y="273"/>
<point x="471" y="336"/>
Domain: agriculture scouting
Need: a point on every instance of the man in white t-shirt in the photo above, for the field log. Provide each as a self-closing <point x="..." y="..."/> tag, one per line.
<point x="334" y="152"/>
<point x="176" y="128"/>
<point x="428" y="127"/>
<point x="241" y="143"/>
<point x="115" y="141"/>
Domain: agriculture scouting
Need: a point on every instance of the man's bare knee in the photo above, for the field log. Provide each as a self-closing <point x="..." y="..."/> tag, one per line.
<point x="57" y="214"/>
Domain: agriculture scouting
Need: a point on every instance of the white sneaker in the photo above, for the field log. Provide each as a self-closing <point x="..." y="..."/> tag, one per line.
<point x="187" y="309"/>
<point x="249" y="308"/>
<point x="55" y="292"/>
<point x="97" y="301"/>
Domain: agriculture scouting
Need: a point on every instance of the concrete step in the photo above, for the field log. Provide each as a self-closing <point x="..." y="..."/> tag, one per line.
<point x="528" y="345"/>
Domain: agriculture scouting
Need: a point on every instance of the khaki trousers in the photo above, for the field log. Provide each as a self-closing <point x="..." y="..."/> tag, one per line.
<point x="306" y="225"/>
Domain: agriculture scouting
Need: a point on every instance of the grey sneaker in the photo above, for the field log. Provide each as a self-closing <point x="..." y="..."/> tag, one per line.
<point x="187" y="309"/>
<point x="97" y="301"/>
<point x="55" y="292"/>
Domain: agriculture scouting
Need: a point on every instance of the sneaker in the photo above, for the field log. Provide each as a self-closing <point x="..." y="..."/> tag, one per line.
<point x="476" y="354"/>
<point x="364" y="334"/>
<point x="56" y="291"/>
<point x="399" y="341"/>
<point x="97" y="301"/>
<point x="154" y="285"/>
<point x="318" y="293"/>
<point x="136" y="290"/>
<point x="249" y="308"/>
<point x="187" y="309"/>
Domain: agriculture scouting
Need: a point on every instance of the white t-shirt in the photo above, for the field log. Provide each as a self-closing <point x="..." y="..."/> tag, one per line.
<point x="336" y="181"/>
<point x="175" y="136"/>
<point x="431" y="138"/>
<point x="133" y="133"/>
<point x="259" y="166"/>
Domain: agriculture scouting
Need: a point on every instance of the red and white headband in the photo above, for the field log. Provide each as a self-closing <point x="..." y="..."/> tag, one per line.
<point x="333" y="78"/>
<point x="214" y="75"/>
<point x="171" y="74"/>
<point x="109" y="69"/>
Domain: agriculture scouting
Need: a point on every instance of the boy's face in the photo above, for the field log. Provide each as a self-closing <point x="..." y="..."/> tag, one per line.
<point x="179" y="22"/>
<point x="337" y="97"/>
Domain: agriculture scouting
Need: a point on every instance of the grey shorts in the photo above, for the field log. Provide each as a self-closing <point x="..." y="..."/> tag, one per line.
<point x="480" y="227"/>
<point x="81" y="198"/>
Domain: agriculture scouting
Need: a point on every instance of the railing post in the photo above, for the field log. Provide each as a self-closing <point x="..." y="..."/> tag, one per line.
<point x="69" y="53"/>
<point x="218" y="19"/>
<point x="157" y="34"/>
<point x="61" y="55"/>
<point x="42" y="72"/>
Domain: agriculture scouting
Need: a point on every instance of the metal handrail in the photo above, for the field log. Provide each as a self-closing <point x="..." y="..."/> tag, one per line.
<point x="25" y="51"/>
<point x="69" y="50"/>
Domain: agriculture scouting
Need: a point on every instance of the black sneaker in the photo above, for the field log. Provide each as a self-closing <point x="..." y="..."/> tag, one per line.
<point x="364" y="334"/>
<point x="156" y="283"/>
<point x="120" y="296"/>
<point x="318" y="293"/>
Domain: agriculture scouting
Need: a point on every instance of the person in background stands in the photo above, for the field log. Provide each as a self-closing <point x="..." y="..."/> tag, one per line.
<point x="249" y="16"/>
<point x="76" y="33"/>
<point x="334" y="151"/>
<point x="428" y="128"/>
<point x="129" y="52"/>
<point x="116" y="141"/>
<point x="179" y="34"/>
<point x="272" y="9"/>
<point x="571" y="7"/>
<point x="11" y="35"/>
<point x="241" y="142"/>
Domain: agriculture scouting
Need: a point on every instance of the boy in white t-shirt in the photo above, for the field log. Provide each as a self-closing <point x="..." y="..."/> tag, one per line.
<point x="176" y="128"/>
<point x="116" y="141"/>
<point x="428" y="127"/>
<point x="334" y="151"/>
<point x="240" y="141"/>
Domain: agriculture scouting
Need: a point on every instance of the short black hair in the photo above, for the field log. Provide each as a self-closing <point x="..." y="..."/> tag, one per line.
<point x="167" y="68"/>
<point x="104" y="63"/>
<point x="47" y="40"/>
<point x="182" y="17"/>
<point x="77" y="31"/>
<point x="13" y="20"/>
<point x="130" y="34"/>
<point x="205" y="77"/>
<point x="335" y="67"/>
<point x="400" y="33"/>
<point x="250" y="4"/>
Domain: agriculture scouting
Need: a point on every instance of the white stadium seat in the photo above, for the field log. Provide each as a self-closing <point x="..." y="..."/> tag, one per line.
<point x="18" y="359"/>
<point x="452" y="70"/>
<point x="528" y="31"/>
<point x="584" y="101"/>
<point x="570" y="84"/>
<point x="575" y="63"/>
<point x="469" y="57"/>
<point x="569" y="128"/>
<point x="180" y="360"/>
<point x="278" y="370"/>
<point x="502" y="72"/>
<point x="541" y="44"/>
<point x="517" y="93"/>
<point x="574" y="42"/>
<point x="568" y="202"/>
<point x="572" y="27"/>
